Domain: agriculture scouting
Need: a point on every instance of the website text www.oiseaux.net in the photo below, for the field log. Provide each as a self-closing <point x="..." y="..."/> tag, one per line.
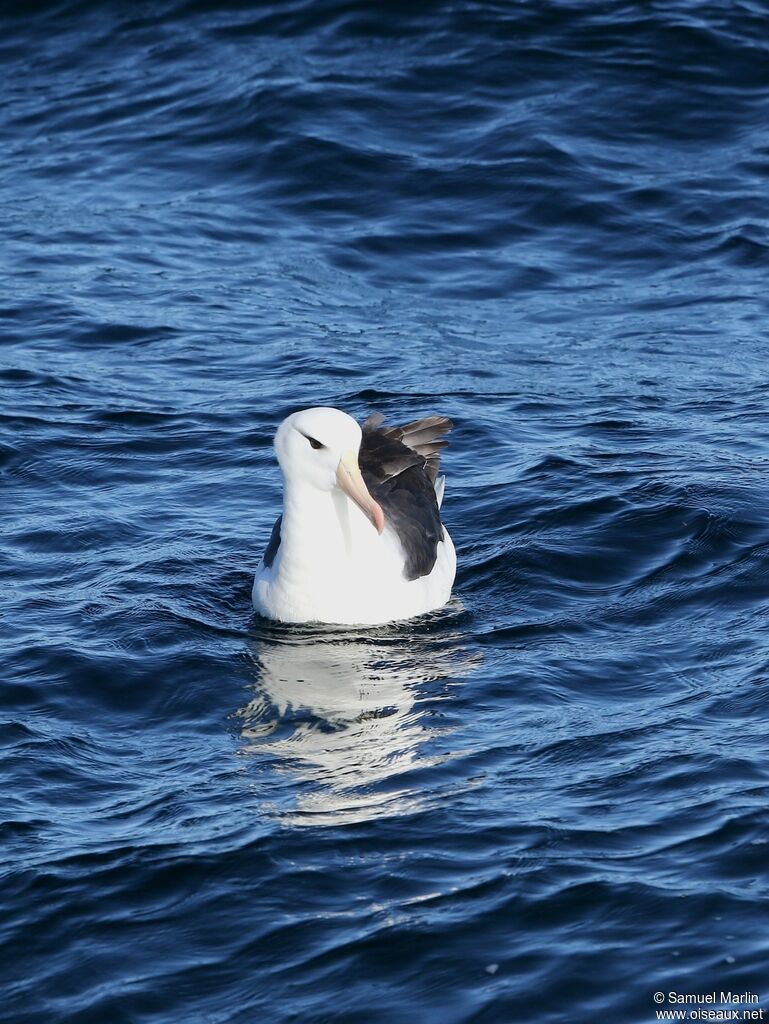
<point x="709" y="1006"/>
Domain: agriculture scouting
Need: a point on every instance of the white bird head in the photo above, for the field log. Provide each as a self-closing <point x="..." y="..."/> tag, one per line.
<point x="319" y="448"/>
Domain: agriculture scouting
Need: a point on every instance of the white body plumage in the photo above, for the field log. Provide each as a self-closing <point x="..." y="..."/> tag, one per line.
<point x="339" y="561"/>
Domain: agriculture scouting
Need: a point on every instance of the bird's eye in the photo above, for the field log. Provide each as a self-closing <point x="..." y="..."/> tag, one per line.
<point x="315" y="444"/>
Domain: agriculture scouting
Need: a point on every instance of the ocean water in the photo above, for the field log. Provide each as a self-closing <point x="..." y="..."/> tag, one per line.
<point x="546" y="220"/>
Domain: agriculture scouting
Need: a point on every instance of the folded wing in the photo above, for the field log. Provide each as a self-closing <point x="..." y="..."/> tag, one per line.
<point x="400" y="467"/>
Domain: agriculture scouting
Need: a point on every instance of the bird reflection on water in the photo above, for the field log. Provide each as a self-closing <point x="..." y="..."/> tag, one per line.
<point x="353" y="714"/>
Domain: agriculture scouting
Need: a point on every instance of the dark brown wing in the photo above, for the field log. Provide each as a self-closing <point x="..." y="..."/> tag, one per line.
<point x="399" y="466"/>
<point x="273" y="544"/>
<point x="421" y="436"/>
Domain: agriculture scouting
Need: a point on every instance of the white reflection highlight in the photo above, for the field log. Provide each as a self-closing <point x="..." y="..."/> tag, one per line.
<point x="349" y="717"/>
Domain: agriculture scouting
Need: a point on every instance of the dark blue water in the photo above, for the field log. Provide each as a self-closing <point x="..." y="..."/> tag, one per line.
<point x="546" y="220"/>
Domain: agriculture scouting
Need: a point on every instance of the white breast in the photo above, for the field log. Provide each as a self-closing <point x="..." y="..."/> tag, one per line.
<point x="332" y="566"/>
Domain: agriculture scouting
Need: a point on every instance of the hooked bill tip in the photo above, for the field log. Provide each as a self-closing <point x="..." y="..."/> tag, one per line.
<point x="377" y="517"/>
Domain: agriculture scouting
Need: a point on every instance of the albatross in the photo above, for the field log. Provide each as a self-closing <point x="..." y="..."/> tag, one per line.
<point x="360" y="540"/>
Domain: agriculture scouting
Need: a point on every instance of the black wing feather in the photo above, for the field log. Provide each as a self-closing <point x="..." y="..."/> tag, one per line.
<point x="273" y="543"/>
<point x="399" y="466"/>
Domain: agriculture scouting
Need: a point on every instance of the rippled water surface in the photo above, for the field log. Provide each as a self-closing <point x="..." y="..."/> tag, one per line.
<point x="546" y="220"/>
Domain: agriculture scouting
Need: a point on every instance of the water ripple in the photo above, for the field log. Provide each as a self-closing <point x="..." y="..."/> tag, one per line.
<point x="547" y="221"/>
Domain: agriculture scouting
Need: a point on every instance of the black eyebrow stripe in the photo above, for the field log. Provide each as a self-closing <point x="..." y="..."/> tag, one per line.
<point x="312" y="440"/>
